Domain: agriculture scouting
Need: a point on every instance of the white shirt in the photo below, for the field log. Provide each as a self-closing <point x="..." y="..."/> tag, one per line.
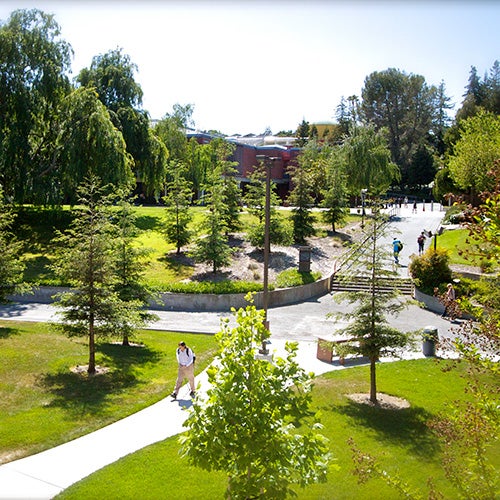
<point x="184" y="356"/>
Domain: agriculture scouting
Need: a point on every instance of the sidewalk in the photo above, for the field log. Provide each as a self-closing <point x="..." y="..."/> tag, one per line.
<point x="46" y="474"/>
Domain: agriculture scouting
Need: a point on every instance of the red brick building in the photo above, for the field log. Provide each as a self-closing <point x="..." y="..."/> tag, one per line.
<point x="249" y="148"/>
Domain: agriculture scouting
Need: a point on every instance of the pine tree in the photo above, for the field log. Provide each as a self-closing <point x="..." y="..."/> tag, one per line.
<point x="11" y="267"/>
<point x="213" y="247"/>
<point x="86" y="261"/>
<point x="369" y="331"/>
<point x="130" y="285"/>
<point x="177" y="201"/>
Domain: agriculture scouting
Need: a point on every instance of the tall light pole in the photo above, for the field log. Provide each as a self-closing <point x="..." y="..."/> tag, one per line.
<point x="267" y="161"/>
<point x="363" y="194"/>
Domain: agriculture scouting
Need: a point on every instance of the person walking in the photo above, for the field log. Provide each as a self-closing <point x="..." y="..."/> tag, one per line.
<point x="185" y="359"/>
<point x="449" y="300"/>
<point x="397" y="246"/>
<point x="421" y="242"/>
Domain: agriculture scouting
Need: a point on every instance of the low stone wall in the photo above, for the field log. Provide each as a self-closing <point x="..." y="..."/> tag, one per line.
<point x="203" y="302"/>
<point x="430" y="302"/>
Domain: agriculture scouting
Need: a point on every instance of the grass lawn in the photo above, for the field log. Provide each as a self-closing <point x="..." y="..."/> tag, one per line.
<point x="43" y="403"/>
<point x="36" y="227"/>
<point x="455" y="240"/>
<point x="399" y="439"/>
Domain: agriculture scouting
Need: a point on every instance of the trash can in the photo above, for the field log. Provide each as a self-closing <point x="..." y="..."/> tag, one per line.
<point x="304" y="259"/>
<point x="430" y="337"/>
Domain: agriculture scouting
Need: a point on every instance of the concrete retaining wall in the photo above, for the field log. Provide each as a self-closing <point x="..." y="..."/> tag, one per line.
<point x="204" y="302"/>
<point x="430" y="302"/>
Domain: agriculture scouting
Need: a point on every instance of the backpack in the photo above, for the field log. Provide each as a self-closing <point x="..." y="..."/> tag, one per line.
<point x="420" y="239"/>
<point x="400" y="246"/>
<point x="187" y="351"/>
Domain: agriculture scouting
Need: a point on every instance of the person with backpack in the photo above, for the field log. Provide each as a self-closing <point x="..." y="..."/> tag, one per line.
<point x="397" y="246"/>
<point x="421" y="242"/>
<point x="185" y="359"/>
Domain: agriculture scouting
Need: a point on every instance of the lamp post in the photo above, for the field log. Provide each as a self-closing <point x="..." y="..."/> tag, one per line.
<point x="363" y="194"/>
<point x="267" y="161"/>
<point x="438" y="232"/>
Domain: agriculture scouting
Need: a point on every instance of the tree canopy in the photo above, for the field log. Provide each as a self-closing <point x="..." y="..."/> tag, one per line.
<point x="34" y="61"/>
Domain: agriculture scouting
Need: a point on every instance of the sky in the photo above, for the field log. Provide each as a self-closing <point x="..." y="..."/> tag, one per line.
<point x="250" y="65"/>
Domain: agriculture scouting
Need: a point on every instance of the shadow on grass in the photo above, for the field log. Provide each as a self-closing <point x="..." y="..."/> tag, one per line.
<point x="125" y="358"/>
<point x="38" y="268"/>
<point x="177" y="263"/>
<point x="7" y="331"/>
<point x="148" y="222"/>
<point x="81" y="393"/>
<point x="406" y="427"/>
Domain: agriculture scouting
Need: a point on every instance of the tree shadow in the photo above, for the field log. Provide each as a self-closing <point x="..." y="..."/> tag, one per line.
<point x="407" y="426"/>
<point x="126" y="357"/>
<point x="148" y="222"/>
<point x="277" y="260"/>
<point x="78" y="392"/>
<point x="177" y="262"/>
<point x="7" y="331"/>
<point x="343" y="237"/>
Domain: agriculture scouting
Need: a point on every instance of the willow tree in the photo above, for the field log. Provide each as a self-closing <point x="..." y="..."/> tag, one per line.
<point x="34" y="65"/>
<point x="367" y="160"/>
<point x="90" y="145"/>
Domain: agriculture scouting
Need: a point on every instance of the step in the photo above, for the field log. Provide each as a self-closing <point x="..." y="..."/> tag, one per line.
<point x="362" y="283"/>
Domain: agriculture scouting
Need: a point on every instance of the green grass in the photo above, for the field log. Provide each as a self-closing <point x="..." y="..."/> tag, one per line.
<point x="36" y="227"/>
<point x="399" y="439"/>
<point x="455" y="240"/>
<point x="43" y="403"/>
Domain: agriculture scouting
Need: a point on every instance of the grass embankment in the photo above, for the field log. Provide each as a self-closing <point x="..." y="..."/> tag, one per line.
<point x="43" y="403"/>
<point x="37" y="227"/>
<point x="400" y="440"/>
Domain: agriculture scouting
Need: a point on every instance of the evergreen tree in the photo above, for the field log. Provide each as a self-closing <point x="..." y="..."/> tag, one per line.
<point x="302" y="134"/>
<point x="221" y="151"/>
<point x="213" y="247"/>
<point x="177" y="201"/>
<point x="335" y="199"/>
<point x="370" y="333"/>
<point x="255" y="199"/>
<point x="130" y="285"/>
<point x="11" y="267"/>
<point x="300" y="197"/>
<point x="86" y="261"/>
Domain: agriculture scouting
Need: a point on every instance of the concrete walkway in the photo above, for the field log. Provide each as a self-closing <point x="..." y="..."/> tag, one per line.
<point x="44" y="475"/>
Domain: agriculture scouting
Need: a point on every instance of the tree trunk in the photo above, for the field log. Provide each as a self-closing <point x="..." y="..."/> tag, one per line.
<point x="373" y="380"/>
<point x="91" y="368"/>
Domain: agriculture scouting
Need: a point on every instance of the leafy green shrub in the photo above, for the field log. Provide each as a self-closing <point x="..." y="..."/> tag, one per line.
<point x="431" y="269"/>
<point x="219" y="287"/>
<point x="293" y="277"/>
<point x="280" y="232"/>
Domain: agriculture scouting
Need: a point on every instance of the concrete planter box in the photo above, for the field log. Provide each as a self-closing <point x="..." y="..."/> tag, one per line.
<point x="430" y="302"/>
